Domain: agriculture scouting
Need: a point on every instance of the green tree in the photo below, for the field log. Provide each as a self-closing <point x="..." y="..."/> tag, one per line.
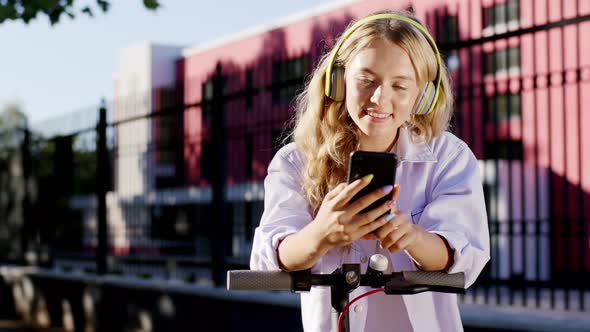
<point x="26" y="10"/>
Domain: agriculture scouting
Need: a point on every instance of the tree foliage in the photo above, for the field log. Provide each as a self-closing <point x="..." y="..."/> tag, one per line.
<point x="27" y="10"/>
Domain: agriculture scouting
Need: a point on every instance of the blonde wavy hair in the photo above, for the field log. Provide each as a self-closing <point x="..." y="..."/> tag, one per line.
<point x="324" y="132"/>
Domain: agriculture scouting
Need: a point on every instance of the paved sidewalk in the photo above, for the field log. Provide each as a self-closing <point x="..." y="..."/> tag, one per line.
<point x="497" y="314"/>
<point x="17" y="326"/>
<point x="527" y="312"/>
<point x="523" y="319"/>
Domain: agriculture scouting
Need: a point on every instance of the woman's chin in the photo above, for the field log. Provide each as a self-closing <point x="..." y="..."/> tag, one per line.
<point x="380" y="133"/>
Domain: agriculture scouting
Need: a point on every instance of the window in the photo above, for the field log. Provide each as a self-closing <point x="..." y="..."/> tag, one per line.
<point x="166" y="124"/>
<point x="249" y="90"/>
<point x="249" y="230"/>
<point x="207" y="89"/>
<point x="506" y="150"/>
<point x="503" y="61"/>
<point x="500" y="16"/>
<point x="504" y="108"/>
<point x="206" y="160"/>
<point x="450" y="31"/>
<point x="166" y="134"/>
<point x="171" y="223"/>
<point x="250" y="214"/>
<point x="201" y="219"/>
<point x="246" y="216"/>
<point x="491" y="196"/>
<point x="287" y="76"/>
<point x="257" y="210"/>
<point x="208" y="94"/>
<point x="249" y="151"/>
<point x="165" y="182"/>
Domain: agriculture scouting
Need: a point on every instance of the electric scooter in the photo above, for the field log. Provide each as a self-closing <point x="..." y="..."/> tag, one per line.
<point x="347" y="278"/>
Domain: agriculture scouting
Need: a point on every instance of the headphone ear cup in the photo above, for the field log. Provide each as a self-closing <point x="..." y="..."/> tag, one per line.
<point x="337" y="84"/>
<point x="425" y="99"/>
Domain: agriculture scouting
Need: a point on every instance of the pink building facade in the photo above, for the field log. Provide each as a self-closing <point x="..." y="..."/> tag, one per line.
<point x="521" y="76"/>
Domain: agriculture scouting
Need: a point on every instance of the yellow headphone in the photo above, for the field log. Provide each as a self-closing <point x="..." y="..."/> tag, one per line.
<point x="334" y="79"/>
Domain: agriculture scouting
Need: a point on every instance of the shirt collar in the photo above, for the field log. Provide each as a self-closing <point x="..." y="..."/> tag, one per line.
<point x="406" y="150"/>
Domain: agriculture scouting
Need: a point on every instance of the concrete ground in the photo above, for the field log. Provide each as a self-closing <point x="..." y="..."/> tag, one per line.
<point x="17" y="326"/>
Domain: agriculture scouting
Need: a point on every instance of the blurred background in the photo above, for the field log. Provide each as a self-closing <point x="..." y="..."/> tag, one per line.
<point x="125" y="215"/>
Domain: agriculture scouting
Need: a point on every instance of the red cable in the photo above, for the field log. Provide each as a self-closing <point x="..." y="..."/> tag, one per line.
<point x="353" y="301"/>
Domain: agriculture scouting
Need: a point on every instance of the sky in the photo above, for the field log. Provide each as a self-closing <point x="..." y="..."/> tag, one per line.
<point x="55" y="70"/>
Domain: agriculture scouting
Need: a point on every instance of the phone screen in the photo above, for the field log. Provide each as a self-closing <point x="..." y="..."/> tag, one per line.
<point x="381" y="164"/>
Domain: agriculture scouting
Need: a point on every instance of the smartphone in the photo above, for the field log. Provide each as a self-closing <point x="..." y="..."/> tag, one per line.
<point x="381" y="164"/>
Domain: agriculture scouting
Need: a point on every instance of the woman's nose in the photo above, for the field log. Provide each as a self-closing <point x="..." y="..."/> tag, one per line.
<point x="380" y="94"/>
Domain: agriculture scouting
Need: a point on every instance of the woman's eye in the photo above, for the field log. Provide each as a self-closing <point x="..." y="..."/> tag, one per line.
<point x="399" y="87"/>
<point x="365" y="81"/>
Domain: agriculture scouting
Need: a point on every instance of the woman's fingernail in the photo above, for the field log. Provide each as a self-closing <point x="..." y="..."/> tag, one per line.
<point x="387" y="189"/>
<point x="389" y="216"/>
<point x="390" y="202"/>
<point x="368" y="178"/>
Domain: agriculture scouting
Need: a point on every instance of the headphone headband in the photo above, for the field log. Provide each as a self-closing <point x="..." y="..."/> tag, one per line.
<point x="393" y="16"/>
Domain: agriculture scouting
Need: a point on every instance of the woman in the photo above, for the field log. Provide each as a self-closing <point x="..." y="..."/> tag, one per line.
<point x="382" y="88"/>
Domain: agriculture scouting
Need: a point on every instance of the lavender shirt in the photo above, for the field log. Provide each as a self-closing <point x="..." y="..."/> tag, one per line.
<point x="441" y="190"/>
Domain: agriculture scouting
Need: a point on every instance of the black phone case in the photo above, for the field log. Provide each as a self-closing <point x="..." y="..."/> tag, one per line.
<point x="381" y="164"/>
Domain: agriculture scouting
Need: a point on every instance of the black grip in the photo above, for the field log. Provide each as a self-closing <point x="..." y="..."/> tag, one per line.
<point x="258" y="280"/>
<point x="455" y="280"/>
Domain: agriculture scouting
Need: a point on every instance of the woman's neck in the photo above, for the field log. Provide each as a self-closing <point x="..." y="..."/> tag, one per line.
<point x="378" y="146"/>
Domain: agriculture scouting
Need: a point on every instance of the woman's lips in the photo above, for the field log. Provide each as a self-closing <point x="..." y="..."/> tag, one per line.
<point x="376" y="119"/>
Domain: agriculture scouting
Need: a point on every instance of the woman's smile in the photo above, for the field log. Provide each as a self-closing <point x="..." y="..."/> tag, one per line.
<point x="376" y="116"/>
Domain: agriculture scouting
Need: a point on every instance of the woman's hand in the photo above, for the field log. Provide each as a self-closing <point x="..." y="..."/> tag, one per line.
<point x="429" y="251"/>
<point x="338" y="222"/>
<point x="399" y="233"/>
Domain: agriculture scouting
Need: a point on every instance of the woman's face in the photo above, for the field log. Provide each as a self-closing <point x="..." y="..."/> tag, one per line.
<point x="381" y="89"/>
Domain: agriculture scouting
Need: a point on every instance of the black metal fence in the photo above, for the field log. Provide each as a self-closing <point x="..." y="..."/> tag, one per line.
<point x="520" y="89"/>
<point x="167" y="186"/>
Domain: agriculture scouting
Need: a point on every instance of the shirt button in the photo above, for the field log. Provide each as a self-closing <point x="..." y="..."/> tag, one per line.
<point x="363" y="259"/>
<point x="358" y="308"/>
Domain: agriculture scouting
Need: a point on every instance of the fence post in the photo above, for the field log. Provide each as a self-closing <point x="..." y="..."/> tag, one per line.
<point x="218" y="211"/>
<point x="102" y="179"/>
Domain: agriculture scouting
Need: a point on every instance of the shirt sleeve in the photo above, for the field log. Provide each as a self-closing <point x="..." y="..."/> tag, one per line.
<point x="457" y="212"/>
<point x="285" y="212"/>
